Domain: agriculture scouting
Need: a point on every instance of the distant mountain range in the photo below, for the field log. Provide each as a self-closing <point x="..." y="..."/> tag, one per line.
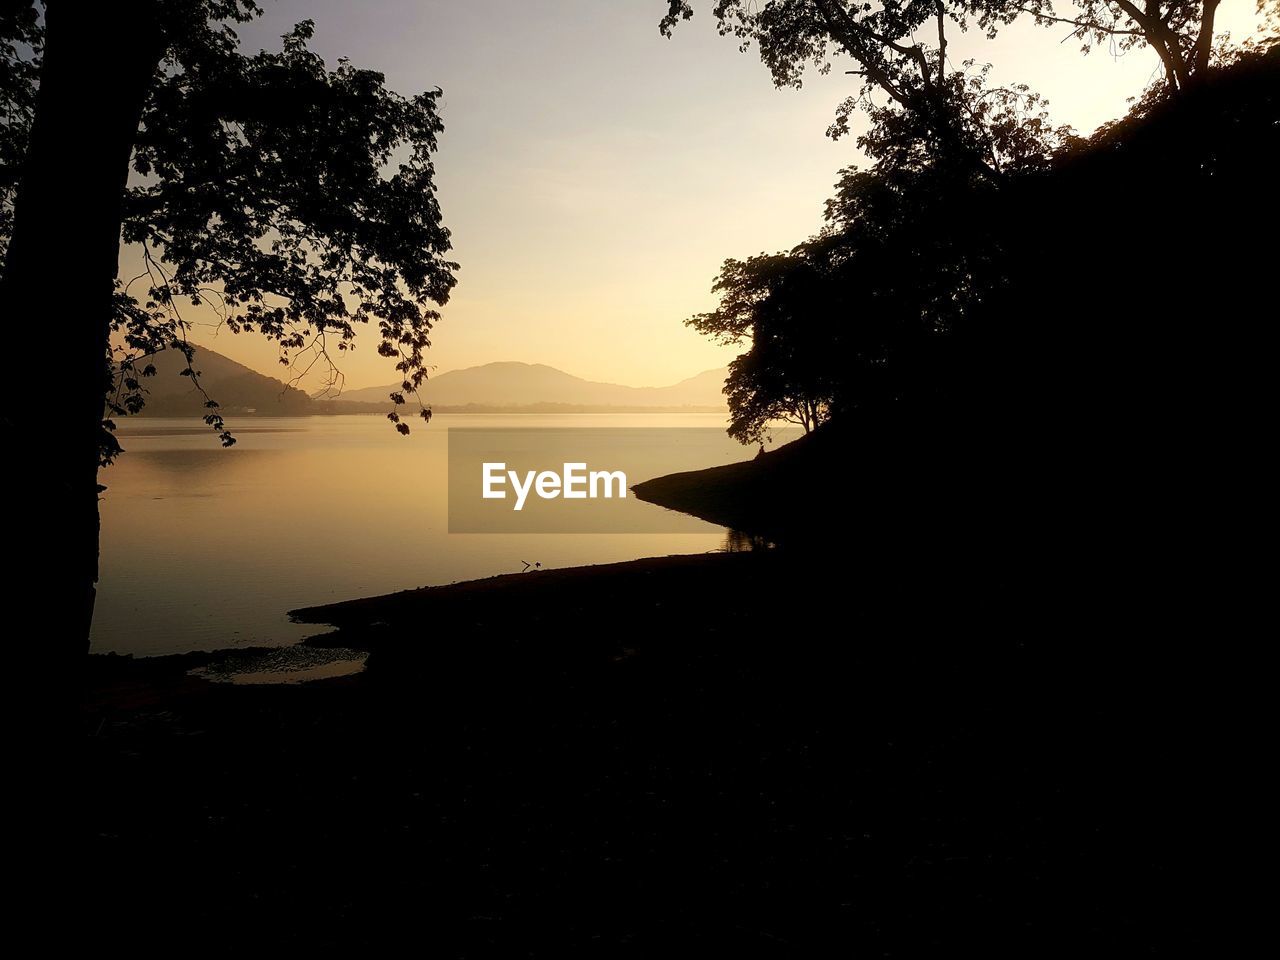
<point x="510" y="384"/>
<point x="491" y="388"/>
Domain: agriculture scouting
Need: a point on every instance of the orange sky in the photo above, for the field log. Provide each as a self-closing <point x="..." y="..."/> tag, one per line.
<point x="595" y="175"/>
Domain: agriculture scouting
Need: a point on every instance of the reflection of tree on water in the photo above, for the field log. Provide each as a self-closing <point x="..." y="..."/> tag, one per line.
<point x="739" y="541"/>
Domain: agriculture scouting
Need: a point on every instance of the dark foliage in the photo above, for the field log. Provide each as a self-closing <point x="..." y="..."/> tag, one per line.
<point x="1179" y="32"/>
<point x="1066" y="359"/>
<point x="919" y="102"/>
<point x="296" y="200"/>
<point x="21" y="37"/>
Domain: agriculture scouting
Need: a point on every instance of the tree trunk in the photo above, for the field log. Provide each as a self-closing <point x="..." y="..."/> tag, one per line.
<point x="1204" y="41"/>
<point x="99" y="61"/>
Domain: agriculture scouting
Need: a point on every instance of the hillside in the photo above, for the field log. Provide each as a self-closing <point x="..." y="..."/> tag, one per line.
<point x="510" y="384"/>
<point x="237" y="388"/>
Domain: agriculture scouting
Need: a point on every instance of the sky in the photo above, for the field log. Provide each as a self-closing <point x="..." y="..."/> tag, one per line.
<point x="595" y="175"/>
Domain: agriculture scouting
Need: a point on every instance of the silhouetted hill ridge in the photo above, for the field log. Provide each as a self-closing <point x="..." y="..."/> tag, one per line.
<point x="236" y="388"/>
<point x="507" y="383"/>
<point x="500" y="387"/>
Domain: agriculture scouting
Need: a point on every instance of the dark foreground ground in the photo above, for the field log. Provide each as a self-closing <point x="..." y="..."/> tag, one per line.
<point x="732" y="753"/>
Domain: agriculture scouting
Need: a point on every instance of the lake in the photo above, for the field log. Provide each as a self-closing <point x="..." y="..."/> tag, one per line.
<point x="206" y="548"/>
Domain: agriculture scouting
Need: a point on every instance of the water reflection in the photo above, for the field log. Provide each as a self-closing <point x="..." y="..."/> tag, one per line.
<point x="207" y="548"/>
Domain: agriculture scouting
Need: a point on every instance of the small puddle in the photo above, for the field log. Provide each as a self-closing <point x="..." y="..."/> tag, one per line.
<point x="297" y="664"/>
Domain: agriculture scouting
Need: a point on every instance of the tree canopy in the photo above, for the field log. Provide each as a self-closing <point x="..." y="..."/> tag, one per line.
<point x="21" y="38"/>
<point x="908" y="85"/>
<point x="778" y="303"/>
<point x="295" y="200"/>
<point x="862" y="316"/>
<point x="877" y="309"/>
<point x="1179" y="32"/>
<point x="913" y="93"/>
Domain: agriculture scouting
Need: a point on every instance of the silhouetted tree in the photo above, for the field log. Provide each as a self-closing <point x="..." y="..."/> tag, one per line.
<point x="915" y="246"/>
<point x="296" y="199"/>
<point x="1180" y="32"/>
<point x="866" y="315"/>
<point x="763" y="390"/>
<point x="922" y="92"/>
<point x="918" y="87"/>
<point x="784" y="306"/>
<point x="21" y="34"/>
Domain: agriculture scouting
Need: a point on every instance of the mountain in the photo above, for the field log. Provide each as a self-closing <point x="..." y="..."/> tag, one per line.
<point x="236" y="387"/>
<point x="509" y="384"/>
<point x="494" y="387"/>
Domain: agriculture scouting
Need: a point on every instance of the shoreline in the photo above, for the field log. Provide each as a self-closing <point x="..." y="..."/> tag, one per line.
<point x="725" y="748"/>
<point x="716" y="748"/>
<point x="355" y="622"/>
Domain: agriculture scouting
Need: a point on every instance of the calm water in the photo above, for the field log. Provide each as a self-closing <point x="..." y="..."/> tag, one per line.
<point x="205" y="548"/>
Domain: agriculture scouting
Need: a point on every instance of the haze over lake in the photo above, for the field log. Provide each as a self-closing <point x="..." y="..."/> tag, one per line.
<point x="206" y="548"/>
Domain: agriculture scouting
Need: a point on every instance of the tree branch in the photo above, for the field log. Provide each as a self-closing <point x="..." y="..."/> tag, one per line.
<point x="1204" y="41"/>
<point x="846" y="31"/>
<point x="1110" y="29"/>
<point x="942" y="37"/>
<point x="1163" y="40"/>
